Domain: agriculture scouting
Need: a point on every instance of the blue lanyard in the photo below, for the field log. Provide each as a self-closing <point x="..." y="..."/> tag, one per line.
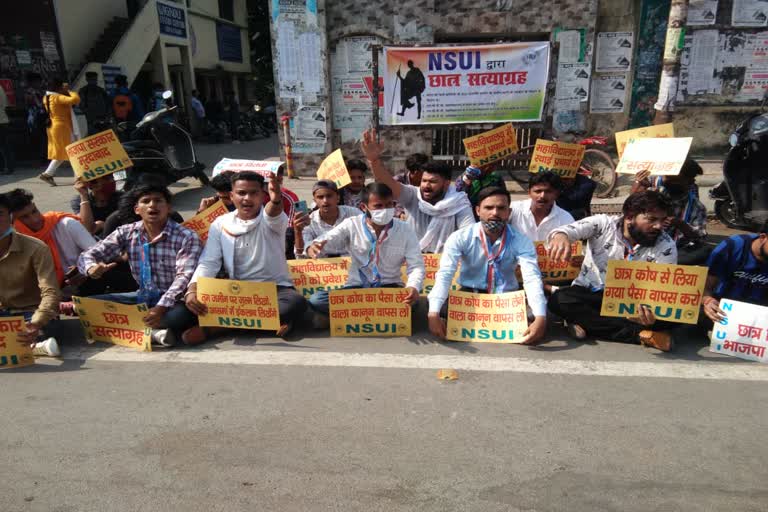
<point x="373" y="255"/>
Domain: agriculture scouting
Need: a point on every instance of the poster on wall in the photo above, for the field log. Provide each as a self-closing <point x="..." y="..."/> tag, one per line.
<point x="572" y="84"/>
<point x="470" y="84"/>
<point x="299" y="46"/>
<point x="749" y="13"/>
<point x="609" y="94"/>
<point x="614" y="51"/>
<point x="702" y="12"/>
<point x="50" y="50"/>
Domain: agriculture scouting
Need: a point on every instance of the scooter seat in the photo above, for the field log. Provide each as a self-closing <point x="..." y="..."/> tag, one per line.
<point x="141" y="144"/>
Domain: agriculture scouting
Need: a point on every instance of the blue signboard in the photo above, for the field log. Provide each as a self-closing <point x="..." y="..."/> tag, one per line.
<point x="173" y="21"/>
<point x="230" y="45"/>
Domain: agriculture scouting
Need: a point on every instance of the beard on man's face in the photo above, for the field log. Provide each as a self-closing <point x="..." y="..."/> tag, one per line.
<point x="644" y="239"/>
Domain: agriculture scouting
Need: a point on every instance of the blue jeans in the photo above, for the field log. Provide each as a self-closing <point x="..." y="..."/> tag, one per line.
<point x="178" y="319"/>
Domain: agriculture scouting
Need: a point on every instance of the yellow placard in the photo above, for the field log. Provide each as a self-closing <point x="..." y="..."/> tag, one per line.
<point x="556" y="271"/>
<point x="201" y="222"/>
<point x="660" y="156"/>
<point x="487" y="318"/>
<point x="12" y="353"/>
<point x="377" y="312"/>
<point x="334" y="169"/>
<point x="431" y="266"/>
<point x="559" y="157"/>
<point x="97" y="156"/>
<point x="239" y="304"/>
<point x="491" y="146"/>
<point x="659" y="131"/>
<point x="110" y="322"/>
<point x="310" y="276"/>
<point x="672" y="291"/>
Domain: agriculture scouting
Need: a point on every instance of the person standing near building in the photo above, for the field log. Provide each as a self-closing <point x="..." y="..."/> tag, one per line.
<point x="58" y="104"/>
<point x="198" y="115"/>
<point x="5" y="145"/>
<point x="94" y="101"/>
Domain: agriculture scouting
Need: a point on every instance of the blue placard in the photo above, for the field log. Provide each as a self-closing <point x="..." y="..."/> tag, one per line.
<point x="173" y="21"/>
<point x="230" y="45"/>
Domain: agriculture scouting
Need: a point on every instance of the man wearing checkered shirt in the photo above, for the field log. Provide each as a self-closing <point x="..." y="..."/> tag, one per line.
<point x="163" y="256"/>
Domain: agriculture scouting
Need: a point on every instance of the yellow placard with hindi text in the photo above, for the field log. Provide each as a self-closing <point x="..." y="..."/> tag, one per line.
<point x="556" y="271"/>
<point x="559" y="157"/>
<point x="310" y="276"/>
<point x="487" y="318"/>
<point x="491" y="146"/>
<point x="334" y="169"/>
<point x="98" y="155"/>
<point x="12" y="353"/>
<point x="374" y="312"/>
<point x="655" y="131"/>
<point x="431" y="266"/>
<point x="673" y="292"/>
<point x="659" y="156"/>
<point x="110" y="322"/>
<point x="201" y="223"/>
<point x="239" y="304"/>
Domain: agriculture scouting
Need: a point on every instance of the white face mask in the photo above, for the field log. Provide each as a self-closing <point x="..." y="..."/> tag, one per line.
<point x="382" y="217"/>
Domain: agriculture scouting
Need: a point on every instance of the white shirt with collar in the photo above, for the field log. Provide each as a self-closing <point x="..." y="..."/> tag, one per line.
<point x="521" y="218"/>
<point x="258" y="255"/>
<point x="401" y="244"/>
<point x="72" y="239"/>
<point x="604" y="235"/>
<point x="317" y="228"/>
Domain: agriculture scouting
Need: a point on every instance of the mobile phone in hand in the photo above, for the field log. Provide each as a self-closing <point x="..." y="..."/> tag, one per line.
<point x="301" y="206"/>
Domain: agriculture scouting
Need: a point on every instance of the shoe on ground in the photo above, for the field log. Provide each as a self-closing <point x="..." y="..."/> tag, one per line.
<point x="656" y="339"/>
<point x="194" y="336"/>
<point x="575" y="331"/>
<point x="320" y="321"/>
<point x="49" y="348"/>
<point x="48" y="179"/>
<point x="163" y="337"/>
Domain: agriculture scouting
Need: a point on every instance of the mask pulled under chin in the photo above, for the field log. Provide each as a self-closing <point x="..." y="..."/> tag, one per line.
<point x="382" y="217"/>
<point x="494" y="226"/>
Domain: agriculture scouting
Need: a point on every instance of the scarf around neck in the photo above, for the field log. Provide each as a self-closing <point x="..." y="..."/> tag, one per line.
<point x="45" y="235"/>
<point x="443" y="212"/>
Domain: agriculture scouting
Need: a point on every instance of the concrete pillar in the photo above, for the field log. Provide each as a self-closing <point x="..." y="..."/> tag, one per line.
<point x="160" y="71"/>
<point x="187" y="74"/>
<point x="670" y="74"/>
<point x="233" y="78"/>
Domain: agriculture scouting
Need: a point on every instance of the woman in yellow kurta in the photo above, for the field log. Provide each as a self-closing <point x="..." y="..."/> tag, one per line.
<point x="58" y="104"/>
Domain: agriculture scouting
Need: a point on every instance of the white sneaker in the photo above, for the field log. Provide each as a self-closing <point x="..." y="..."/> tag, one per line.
<point x="48" y="348"/>
<point x="163" y="337"/>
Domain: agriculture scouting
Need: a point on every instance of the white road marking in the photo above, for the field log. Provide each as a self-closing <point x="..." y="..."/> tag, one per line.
<point x="699" y="370"/>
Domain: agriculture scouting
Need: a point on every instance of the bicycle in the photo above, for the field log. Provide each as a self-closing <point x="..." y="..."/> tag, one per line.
<point x="596" y="165"/>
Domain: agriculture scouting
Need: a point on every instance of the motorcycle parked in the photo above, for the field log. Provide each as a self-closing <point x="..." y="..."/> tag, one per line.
<point x="160" y="147"/>
<point x="741" y="199"/>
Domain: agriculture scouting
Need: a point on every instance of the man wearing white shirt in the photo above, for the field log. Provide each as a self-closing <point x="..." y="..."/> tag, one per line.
<point x="637" y="235"/>
<point x="328" y="215"/>
<point x="378" y="244"/>
<point x="435" y="208"/>
<point x="536" y="216"/>
<point x="489" y="251"/>
<point x="249" y="244"/>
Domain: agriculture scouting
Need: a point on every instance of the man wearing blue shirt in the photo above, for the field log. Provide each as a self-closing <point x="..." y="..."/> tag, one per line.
<point x="489" y="251"/>
<point x="738" y="270"/>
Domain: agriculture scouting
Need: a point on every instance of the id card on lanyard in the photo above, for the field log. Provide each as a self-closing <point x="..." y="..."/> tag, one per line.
<point x="373" y="255"/>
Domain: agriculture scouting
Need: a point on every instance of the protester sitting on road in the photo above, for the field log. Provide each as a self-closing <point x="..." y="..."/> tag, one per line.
<point x="162" y="255"/>
<point x="474" y="179"/>
<point x="738" y="270"/>
<point x="327" y="215"/>
<point x="249" y="244"/>
<point x="538" y="215"/>
<point x="576" y="196"/>
<point x="30" y="287"/>
<point x="62" y="232"/>
<point x="687" y="224"/>
<point x="126" y="208"/>
<point x="222" y="184"/>
<point x="378" y="243"/>
<point x="435" y="209"/>
<point x="352" y="194"/>
<point x="489" y="251"/>
<point x="58" y="104"/>
<point x="96" y="200"/>
<point x="414" y="168"/>
<point x="637" y="235"/>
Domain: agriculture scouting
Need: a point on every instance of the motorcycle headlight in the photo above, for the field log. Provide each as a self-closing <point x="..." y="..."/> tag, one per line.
<point x="733" y="140"/>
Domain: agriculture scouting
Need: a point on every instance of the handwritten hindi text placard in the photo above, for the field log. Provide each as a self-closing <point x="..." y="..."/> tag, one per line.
<point x="659" y="131"/>
<point x="743" y="333"/>
<point x="559" y="157"/>
<point x="334" y="169"/>
<point x="239" y="304"/>
<point x="13" y="354"/>
<point x="660" y="156"/>
<point x="310" y="276"/>
<point x="98" y="155"/>
<point x="672" y="291"/>
<point x="487" y="318"/>
<point x="369" y="312"/>
<point x="110" y="322"/>
<point x="201" y="222"/>
<point x="491" y="146"/>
